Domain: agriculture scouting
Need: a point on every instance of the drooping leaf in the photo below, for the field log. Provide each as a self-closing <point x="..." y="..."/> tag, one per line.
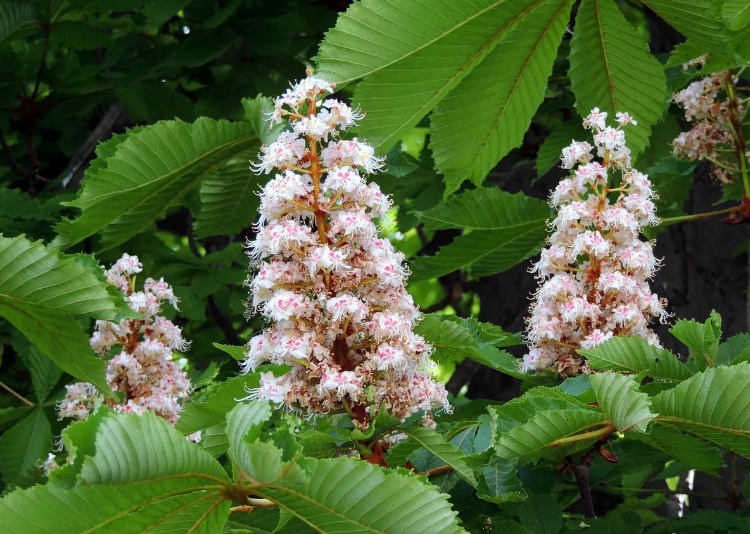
<point x="42" y="292"/>
<point x="619" y="398"/>
<point x="229" y="201"/>
<point x="701" y="338"/>
<point x="486" y="115"/>
<point x="633" y="355"/>
<point x="445" y="451"/>
<point x="505" y="230"/>
<point x="561" y="136"/>
<point x="44" y="372"/>
<point x="711" y="405"/>
<point x="688" y="449"/>
<point x="612" y="69"/>
<point x="23" y="446"/>
<point x="408" y="72"/>
<point x="698" y="20"/>
<point x="148" y="171"/>
<point x="736" y="13"/>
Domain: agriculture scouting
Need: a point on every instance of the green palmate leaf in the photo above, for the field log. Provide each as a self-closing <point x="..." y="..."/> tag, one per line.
<point x="505" y="230"/>
<point x="698" y="20"/>
<point x="612" y="69"/>
<point x="101" y="509"/>
<point x="42" y="292"/>
<point x="345" y="495"/>
<point x="229" y="201"/>
<point x="235" y="351"/>
<point x="703" y="521"/>
<point x="622" y="403"/>
<point x="499" y="482"/>
<point x="445" y="451"/>
<point x="687" y="449"/>
<point x="736" y="349"/>
<point x="15" y="16"/>
<point x="23" y="446"/>
<point x="257" y="111"/>
<point x="245" y="424"/>
<point x="79" y="440"/>
<point x="541" y="514"/>
<point x="736" y="13"/>
<point x="133" y="448"/>
<point x="486" y="115"/>
<point x="406" y="77"/>
<point x="560" y="137"/>
<point x="711" y="405"/>
<point x="529" y="427"/>
<point x="44" y="373"/>
<point x="701" y="338"/>
<point x="635" y="355"/>
<point x="148" y="171"/>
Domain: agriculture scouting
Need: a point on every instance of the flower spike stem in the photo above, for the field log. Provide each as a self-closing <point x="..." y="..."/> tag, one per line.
<point x="17" y="395"/>
<point x="699" y="216"/>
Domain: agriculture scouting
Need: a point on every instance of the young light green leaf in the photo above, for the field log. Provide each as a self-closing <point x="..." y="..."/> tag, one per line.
<point x="244" y="425"/>
<point x="405" y="78"/>
<point x="634" y="355"/>
<point x="150" y="168"/>
<point x="486" y="115"/>
<point x="445" y="451"/>
<point x="42" y="292"/>
<point x="734" y="350"/>
<point x="22" y="447"/>
<point x="619" y="398"/>
<point x="612" y="69"/>
<point x="701" y="338"/>
<point x="235" y="351"/>
<point x="711" y="405"/>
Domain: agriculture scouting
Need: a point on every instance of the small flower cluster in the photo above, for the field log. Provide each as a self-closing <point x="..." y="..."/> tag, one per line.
<point x="141" y="365"/>
<point x="331" y="286"/>
<point x="594" y="273"/>
<point x="712" y="120"/>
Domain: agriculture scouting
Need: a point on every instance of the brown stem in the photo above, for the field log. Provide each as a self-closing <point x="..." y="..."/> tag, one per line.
<point x="16" y="395"/>
<point x="33" y="163"/>
<point x="437" y="470"/>
<point x="581" y="472"/>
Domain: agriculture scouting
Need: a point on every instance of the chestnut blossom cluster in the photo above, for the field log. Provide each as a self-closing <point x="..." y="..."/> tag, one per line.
<point x="140" y="353"/>
<point x="712" y="117"/>
<point x="331" y="287"/>
<point x="593" y="276"/>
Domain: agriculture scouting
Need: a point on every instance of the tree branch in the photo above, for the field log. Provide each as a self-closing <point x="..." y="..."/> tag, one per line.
<point x="9" y="155"/>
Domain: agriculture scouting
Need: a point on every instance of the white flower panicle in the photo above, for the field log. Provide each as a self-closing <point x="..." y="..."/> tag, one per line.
<point x="593" y="276"/>
<point x="139" y="351"/>
<point x="332" y="288"/>
<point x="712" y="112"/>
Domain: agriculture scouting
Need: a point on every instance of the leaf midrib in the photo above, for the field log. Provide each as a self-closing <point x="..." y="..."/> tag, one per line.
<point x="423" y="46"/>
<point x="464" y="70"/>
